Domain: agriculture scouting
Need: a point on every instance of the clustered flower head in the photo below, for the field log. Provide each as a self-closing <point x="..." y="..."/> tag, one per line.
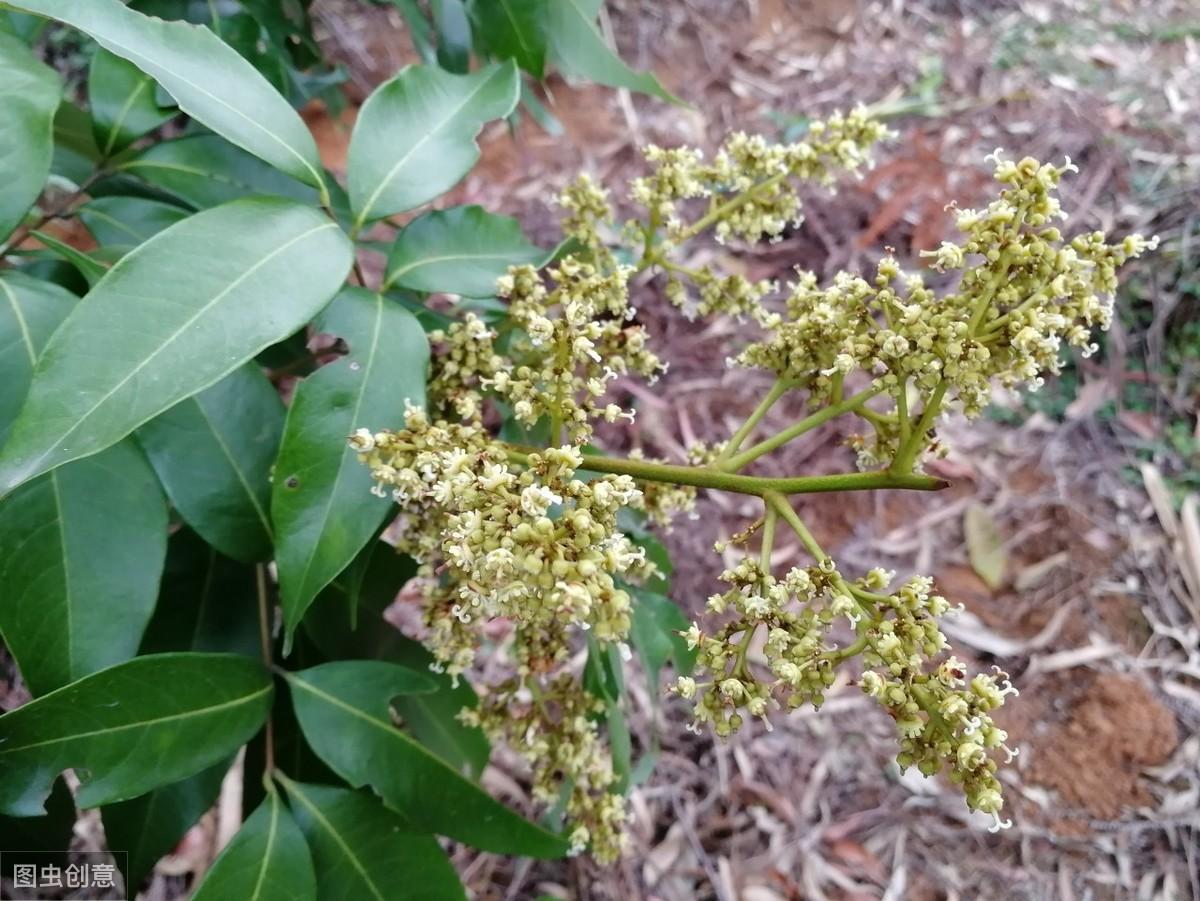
<point x="555" y="730"/>
<point x="940" y="722"/>
<point x="574" y="338"/>
<point x="529" y="544"/>
<point x="1024" y="291"/>
<point x="529" y="540"/>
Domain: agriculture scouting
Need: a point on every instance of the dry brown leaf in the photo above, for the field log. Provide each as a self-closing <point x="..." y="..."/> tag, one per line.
<point x="985" y="546"/>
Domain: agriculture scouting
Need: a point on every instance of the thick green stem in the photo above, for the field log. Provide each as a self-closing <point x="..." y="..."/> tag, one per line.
<point x="733" y="464"/>
<point x="704" y="477"/>
<point x="906" y="456"/>
<point x="777" y="391"/>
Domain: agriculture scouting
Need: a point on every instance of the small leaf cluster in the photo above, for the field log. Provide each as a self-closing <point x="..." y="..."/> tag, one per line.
<point x="183" y="529"/>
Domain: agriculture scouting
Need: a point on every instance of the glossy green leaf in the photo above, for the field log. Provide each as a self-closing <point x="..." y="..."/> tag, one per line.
<point x="343" y="710"/>
<point x="213" y="453"/>
<point x="462" y="250"/>
<point x="205" y="171"/>
<point x="364" y="852"/>
<point x="268" y="860"/>
<point x="30" y="311"/>
<point x="454" y="35"/>
<point x="90" y="267"/>
<point x="131" y="728"/>
<point x="128" y="221"/>
<point x="75" y="152"/>
<point x="29" y="95"/>
<point x="207" y="77"/>
<point x="121" y="98"/>
<point x="81" y="550"/>
<point x="513" y="29"/>
<point x="267" y="267"/>
<point x="415" y="136"/>
<point x="655" y="632"/>
<point x="579" y="49"/>
<point x="21" y="25"/>
<point x="149" y="826"/>
<point x="321" y="504"/>
<point x="206" y="602"/>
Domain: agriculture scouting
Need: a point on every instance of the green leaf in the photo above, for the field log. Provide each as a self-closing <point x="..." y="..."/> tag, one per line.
<point x="462" y="250"/>
<point x="121" y="98"/>
<point x="128" y="221"/>
<point x="206" y="602"/>
<point x="205" y="171"/>
<point x="513" y="29"/>
<point x="376" y="577"/>
<point x="213" y="453"/>
<point x="654" y="632"/>
<point x="343" y="710"/>
<point x="579" y="49"/>
<point x="363" y="851"/>
<point x="321" y="503"/>
<point x="454" y="35"/>
<point x="131" y="728"/>
<point x="267" y="860"/>
<point x="985" y="545"/>
<point x="267" y="267"/>
<point x="30" y="311"/>
<point x="75" y="150"/>
<point x="81" y="550"/>
<point x="29" y="95"/>
<point x="91" y="268"/>
<point x="415" y="135"/>
<point x="151" y="825"/>
<point x="207" y="77"/>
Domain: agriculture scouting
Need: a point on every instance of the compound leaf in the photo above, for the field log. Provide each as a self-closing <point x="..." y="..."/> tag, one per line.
<point x="29" y="95"/>
<point x="213" y="453"/>
<point x="362" y="850"/>
<point x="81" y="550"/>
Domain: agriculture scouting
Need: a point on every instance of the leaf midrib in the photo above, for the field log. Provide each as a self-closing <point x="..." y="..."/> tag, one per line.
<point x="233" y="109"/>
<point x="266" y="857"/>
<point x="328" y="827"/>
<point x="36" y="462"/>
<point x="448" y="258"/>
<point x="142" y="724"/>
<point x="233" y="464"/>
<point x="377" y="328"/>
<point x="364" y="216"/>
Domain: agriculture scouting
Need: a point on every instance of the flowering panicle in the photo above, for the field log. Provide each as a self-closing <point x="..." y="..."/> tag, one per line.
<point x="575" y="337"/>
<point x="528" y="540"/>
<point x="555" y="731"/>
<point x="1023" y="292"/>
<point x="532" y="545"/>
<point x="940" y="723"/>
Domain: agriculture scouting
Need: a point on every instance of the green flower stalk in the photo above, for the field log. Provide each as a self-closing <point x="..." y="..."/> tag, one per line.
<point x="529" y="536"/>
